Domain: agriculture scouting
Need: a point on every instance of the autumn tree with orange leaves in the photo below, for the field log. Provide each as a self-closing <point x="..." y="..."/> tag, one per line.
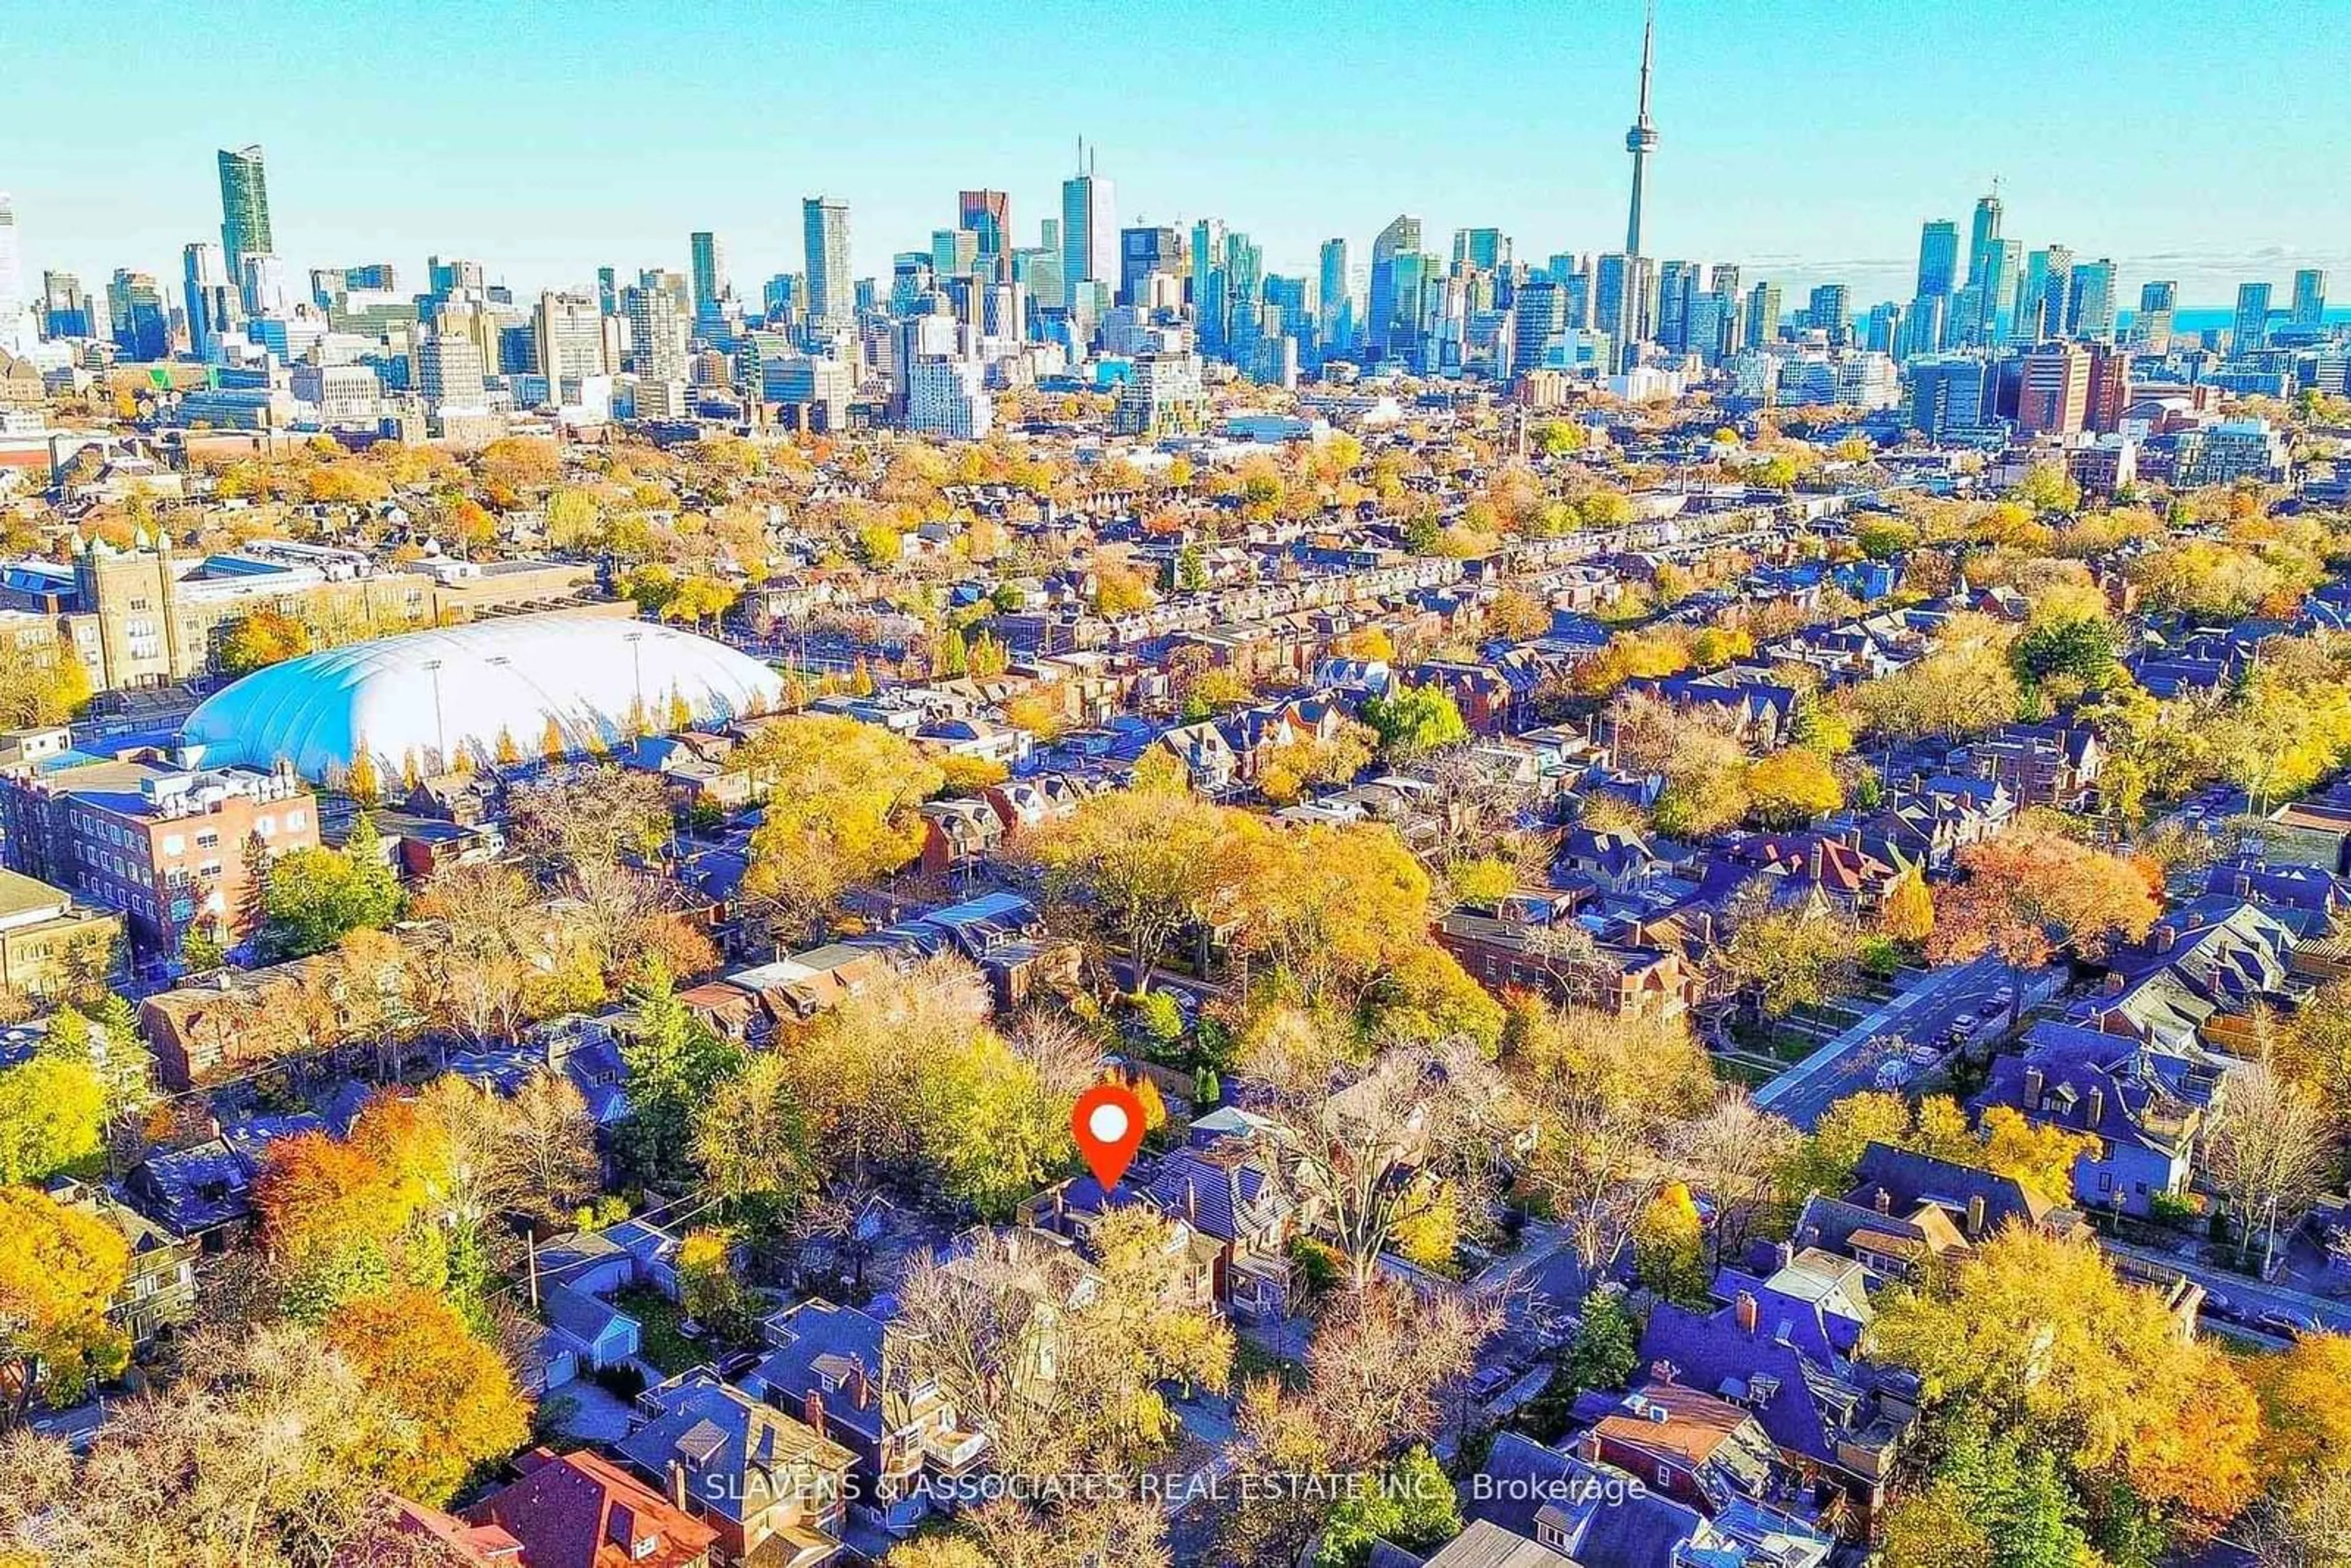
<point x="2030" y="893"/>
<point x="442" y="1402"/>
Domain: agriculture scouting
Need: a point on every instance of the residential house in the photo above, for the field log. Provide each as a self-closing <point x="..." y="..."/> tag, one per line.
<point x="581" y="1510"/>
<point x="1535" y="948"/>
<point x="204" y="1193"/>
<point x="1599" y="1516"/>
<point x="1207" y="757"/>
<point x="771" y="1488"/>
<point x="1838" y="1421"/>
<point x="831" y="1365"/>
<point x="159" y="1288"/>
<point x="1231" y="1194"/>
<point x="2043" y="764"/>
<point x="1686" y="1444"/>
<point x="959" y="838"/>
<point x="2144" y="1101"/>
<point x="2203" y="969"/>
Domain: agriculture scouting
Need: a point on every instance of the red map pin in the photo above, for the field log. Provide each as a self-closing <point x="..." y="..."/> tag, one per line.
<point x="1107" y="1123"/>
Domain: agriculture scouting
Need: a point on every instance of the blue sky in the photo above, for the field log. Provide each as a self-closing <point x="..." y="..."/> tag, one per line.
<point x="1806" y="139"/>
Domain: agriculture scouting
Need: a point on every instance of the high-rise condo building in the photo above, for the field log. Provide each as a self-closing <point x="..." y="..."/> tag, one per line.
<point x="2252" y="325"/>
<point x="1939" y="257"/>
<point x="708" y="265"/>
<point x="1338" y="300"/>
<point x="2157" y="301"/>
<point x="1983" y="237"/>
<point x="244" y="208"/>
<point x="2090" y="302"/>
<point x="2309" y="296"/>
<point x="832" y="297"/>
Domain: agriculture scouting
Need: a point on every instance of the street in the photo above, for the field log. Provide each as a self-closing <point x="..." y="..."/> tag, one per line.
<point x="1922" y="1014"/>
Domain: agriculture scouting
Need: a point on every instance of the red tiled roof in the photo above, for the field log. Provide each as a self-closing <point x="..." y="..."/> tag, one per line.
<point x="577" y="1511"/>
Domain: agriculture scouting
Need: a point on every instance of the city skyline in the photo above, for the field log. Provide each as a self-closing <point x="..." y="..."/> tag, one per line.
<point x="534" y="224"/>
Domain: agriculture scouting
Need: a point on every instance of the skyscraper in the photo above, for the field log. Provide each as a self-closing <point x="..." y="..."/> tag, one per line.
<point x="568" y="330"/>
<point x="2309" y="296"/>
<point x="824" y="231"/>
<point x="1830" y="310"/>
<point x="244" y="208"/>
<point x="1939" y="257"/>
<point x="2152" y="327"/>
<point x="1395" y="247"/>
<point x="1338" y="325"/>
<point x="1142" y="250"/>
<point x="1642" y="139"/>
<point x="989" y="214"/>
<point x="210" y="296"/>
<point x="1089" y="231"/>
<point x="1983" y="238"/>
<point x="143" y="327"/>
<point x="1487" y="248"/>
<point x="2090" y="302"/>
<point x="1762" y="315"/>
<point x="709" y="270"/>
<point x="2003" y="266"/>
<point x="2253" y="327"/>
<point x="12" y="281"/>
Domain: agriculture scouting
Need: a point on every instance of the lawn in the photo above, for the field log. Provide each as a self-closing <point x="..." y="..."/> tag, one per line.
<point x="660" y="1346"/>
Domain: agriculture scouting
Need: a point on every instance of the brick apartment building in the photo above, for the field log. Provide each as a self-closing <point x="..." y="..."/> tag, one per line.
<point x="175" y="849"/>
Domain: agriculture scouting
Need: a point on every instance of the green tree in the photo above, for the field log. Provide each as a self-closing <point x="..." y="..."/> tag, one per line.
<point x="1412" y="1505"/>
<point x="676" y="1063"/>
<point x="2081" y="649"/>
<point x="1990" y="1502"/>
<point x="311" y="898"/>
<point x="1414" y="720"/>
<point x="52" y="1109"/>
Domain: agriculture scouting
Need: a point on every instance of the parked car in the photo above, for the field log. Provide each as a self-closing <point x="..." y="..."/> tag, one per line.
<point x="1490" y="1381"/>
<point x="1892" y="1073"/>
<point x="2286" y="1322"/>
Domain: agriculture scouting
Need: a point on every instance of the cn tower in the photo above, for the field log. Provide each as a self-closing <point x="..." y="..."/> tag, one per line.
<point x="1642" y="139"/>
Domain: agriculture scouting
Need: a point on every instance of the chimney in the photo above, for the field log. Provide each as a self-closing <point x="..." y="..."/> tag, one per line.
<point x="2094" y="1111"/>
<point x="1975" y="1215"/>
<point x="813" y="1410"/>
<point x="1884" y="1201"/>
<point x="1785" y="1254"/>
<point x="1663" y="1372"/>
<point x="2114" y="982"/>
<point x="2034" y="1082"/>
<point x="1746" y="1307"/>
<point x="677" y="1485"/>
<point x="2165" y="934"/>
<point x="1191" y="1200"/>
